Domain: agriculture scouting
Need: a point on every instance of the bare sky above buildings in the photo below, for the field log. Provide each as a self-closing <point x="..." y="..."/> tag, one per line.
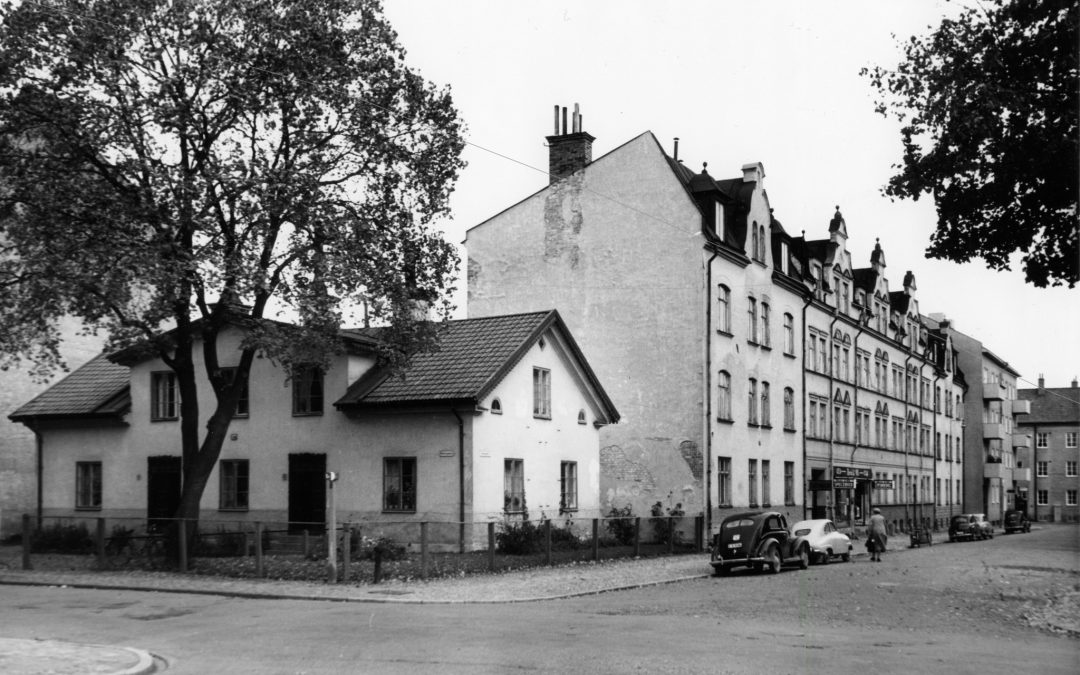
<point x="776" y="82"/>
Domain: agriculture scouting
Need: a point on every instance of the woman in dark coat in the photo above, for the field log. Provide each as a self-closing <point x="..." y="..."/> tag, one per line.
<point x="876" y="536"/>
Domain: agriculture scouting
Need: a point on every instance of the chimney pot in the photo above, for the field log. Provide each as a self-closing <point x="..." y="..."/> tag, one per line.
<point x="1042" y="381"/>
<point x="568" y="152"/>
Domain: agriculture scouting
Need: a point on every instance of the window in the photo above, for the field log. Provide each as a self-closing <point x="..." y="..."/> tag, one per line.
<point x="496" y="406"/>
<point x="1070" y="468"/>
<point x="1070" y="498"/>
<point x="811" y="352"/>
<point x="514" y="485"/>
<point x="233" y="494"/>
<point x="718" y="219"/>
<point x="88" y="485"/>
<point x="399" y="484"/>
<point x="765" y="492"/>
<point x="789" y="408"/>
<point x="724" y="484"/>
<point x="789" y="334"/>
<point x="542" y="393"/>
<point x="1042" y="497"/>
<point x="812" y="419"/>
<point x="581" y="419"/>
<point x="1042" y="439"/>
<point x="766" y="418"/>
<point x="763" y="243"/>
<point x="753" y="482"/>
<point x="751" y="317"/>
<point x="1070" y="439"/>
<point x="754" y="239"/>
<point x="766" y="340"/>
<point x="752" y="402"/>
<point x="242" y="407"/>
<point x="163" y="395"/>
<point x="568" y="487"/>
<point x="723" y="312"/>
<point x="723" y="402"/>
<point x="1042" y="468"/>
<point x="308" y="391"/>
<point x="789" y="483"/>
<point x="784" y="264"/>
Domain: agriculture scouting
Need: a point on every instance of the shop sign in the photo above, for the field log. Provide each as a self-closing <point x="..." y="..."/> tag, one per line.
<point x="883" y="484"/>
<point x="844" y="483"/>
<point x="851" y="472"/>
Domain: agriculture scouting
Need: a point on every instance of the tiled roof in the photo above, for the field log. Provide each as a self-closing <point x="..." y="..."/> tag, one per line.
<point x="1051" y="405"/>
<point x="98" y="388"/>
<point x="473" y="354"/>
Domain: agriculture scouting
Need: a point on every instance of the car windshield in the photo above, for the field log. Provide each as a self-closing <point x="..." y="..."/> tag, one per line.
<point x="743" y="522"/>
<point x="802" y="532"/>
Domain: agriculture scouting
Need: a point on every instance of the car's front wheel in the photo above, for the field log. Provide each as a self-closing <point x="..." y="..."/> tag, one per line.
<point x="804" y="558"/>
<point x="847" y="556"/>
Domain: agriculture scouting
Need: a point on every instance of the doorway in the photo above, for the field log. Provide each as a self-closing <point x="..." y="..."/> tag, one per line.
<point x="307" y="492"/>
<point x="163" y="483"/>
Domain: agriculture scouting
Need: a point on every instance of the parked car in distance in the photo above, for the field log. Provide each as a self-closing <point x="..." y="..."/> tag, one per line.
<point x="1016" y="521"/>
<point x="826" y="542"/>
<point x="970" y="526"/>
<point x="757" y="539"/>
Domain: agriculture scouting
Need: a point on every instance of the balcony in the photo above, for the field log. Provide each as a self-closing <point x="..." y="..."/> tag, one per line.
<point x="997" y="470"/>
<point x="1021" y="475"/>
<point x="993" y="391"/>
<point x="992" y="430"/>
<point x="1021" y="441"/>
<point x="1021" y="407"/>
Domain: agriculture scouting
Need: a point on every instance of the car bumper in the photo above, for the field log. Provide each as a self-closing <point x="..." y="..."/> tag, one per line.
<point x="729" y="563"/>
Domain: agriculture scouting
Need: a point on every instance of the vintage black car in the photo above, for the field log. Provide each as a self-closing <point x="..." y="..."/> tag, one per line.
<point x="757" y="539"/>
<point x="1016" y="521"/>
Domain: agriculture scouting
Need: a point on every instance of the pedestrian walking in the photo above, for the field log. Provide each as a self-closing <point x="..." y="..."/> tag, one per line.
<point x="876" y="536"/>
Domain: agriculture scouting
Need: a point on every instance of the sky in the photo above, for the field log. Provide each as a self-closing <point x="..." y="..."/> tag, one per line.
<point x="774" y="82"/>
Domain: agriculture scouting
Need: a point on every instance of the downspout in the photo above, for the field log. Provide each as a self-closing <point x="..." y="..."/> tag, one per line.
<point x="40" y="446"/>
<point x="708" y="396"/>
<point x="1034" y="494"/>
<point x="461" y="480"/>
<point x="907" y="449"/>
<point x="831" y="413"/>
<point x="937" y="449"/>
<point x="855" y="438"/>
<point x="803" y="396"/>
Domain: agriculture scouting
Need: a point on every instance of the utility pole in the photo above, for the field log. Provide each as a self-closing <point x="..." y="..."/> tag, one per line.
<point x="331" y="528"/>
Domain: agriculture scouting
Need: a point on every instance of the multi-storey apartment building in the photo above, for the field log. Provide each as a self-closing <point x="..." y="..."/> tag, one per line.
<point x="681" y="291"/>
<point x="991" y="439"/>
<point x="883" y="417"/>
<point x="1053" y="423"/>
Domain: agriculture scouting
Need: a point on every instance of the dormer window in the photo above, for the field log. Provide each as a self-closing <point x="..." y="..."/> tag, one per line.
<point x="581" y="416"/>
<point x="784" y="265"/>
<point x="718" y="220"/>
<point x="496" y="406"/>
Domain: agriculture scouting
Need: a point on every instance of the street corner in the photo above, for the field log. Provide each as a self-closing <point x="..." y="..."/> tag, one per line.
<point x="60" y="657"/>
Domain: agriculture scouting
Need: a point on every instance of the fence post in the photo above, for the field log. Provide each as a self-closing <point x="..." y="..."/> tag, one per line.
<point x="258" y="550"/>
<point x="26" y="542"/>
<point x="346" y="551"/>
<point x="99" y="542"/>
<point x="637" y="536"/>
<point x="423" y="550"/>
<point x="671" y="534"/>
<point x="547" y="542"/>
<point x="183" y="545"/>
<point x="595" y="539"/>
<point x="491" y="546"/>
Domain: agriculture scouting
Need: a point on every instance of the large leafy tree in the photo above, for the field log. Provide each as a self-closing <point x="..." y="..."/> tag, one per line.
<point x="988" y="106"/>
<point x="172" y="167"/>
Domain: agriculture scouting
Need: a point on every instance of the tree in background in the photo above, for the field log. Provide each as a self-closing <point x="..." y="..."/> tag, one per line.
<point x="988" y="105"/>
<point x="172" y="167"/>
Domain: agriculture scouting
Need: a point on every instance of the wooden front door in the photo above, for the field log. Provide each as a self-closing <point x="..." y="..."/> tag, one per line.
<point x="307" y="492"/>
<point x="163" y="481"/>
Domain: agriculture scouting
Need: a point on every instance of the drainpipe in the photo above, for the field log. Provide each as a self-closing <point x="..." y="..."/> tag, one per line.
<point x="1034" y="494"/>
<point x="803" y="396"/>
<point x="907" y="450"/>
<point x="933" y="435"/>
<point x="40" y="446"/>
<point x="855" y="437"/>
<point x="461" y="480"/>
<point x="708" y="396"/>
<point x="831" y="414"/>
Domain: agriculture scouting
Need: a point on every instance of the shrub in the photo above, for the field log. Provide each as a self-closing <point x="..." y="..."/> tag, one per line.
<point x="220" y="544"/>
<point x="620" y="523"/>
<point x="518" y="537"/>
<point x="61" y="538"/>
<point x="665" y="526"/>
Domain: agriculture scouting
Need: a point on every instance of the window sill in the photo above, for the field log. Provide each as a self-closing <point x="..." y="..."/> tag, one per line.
<point x="790" y="504"/>
<point x="790" y="430"/>
<point x="766" y="347"/>
<point x="307" y="414"/>
<point x="724" y="420"/>
<point x="164" y="419"/>
<point x="753" y="424"/>
<point x="413" y="511"/>
<point x="752" y="505"/>
<point x="766" y="505"/>
<point x="241" y="417"/>
<point x="766" y="426"/>
<point x="724" y="506"/>
<point x="790" y="356"/>
<point x="571" y="510"/>
<point x="541" y="417"/>
<point x="720" y="331"/>
<point x="234" y="509"/>
<point x="87" y="508"/>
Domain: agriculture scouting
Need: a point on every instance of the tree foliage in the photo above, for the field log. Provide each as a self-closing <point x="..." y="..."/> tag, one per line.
<point x="187" y="164"/>
<point x="988" y="104"/>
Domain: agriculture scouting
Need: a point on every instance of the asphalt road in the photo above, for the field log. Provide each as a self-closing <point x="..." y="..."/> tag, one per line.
<point x="972" y="607"/>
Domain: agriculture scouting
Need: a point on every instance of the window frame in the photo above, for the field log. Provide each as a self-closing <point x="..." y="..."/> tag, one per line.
<point x="1042" y="498"/>
<point x="1070" y="439"/>
<point x="766" y="491"/>
<point x="229" y="485"/>
<point x="789" y="483"/>
<point x="723" y="396"/>
<point x="1070" y="468"/>
<point x="723" y="482"/>
<point x="304" y="396"/>
<point x="752" y="478"/>
<point x="723" y="313"/>
<point x="513" y="484"/>
<point x="568" y="486"/>
<point x="168" y="410"/>
<point x="1070" y="497"/>
<point x="789" y="334"/>
<point x="1042" y="468"/>
<point x="89" y="488"/>
<point x="541" y="393"/>
<point x="243" y="404"/>
<point x="789" y="409"/>
<point x="1042" y="439"/>
<point x="406" y="494"/>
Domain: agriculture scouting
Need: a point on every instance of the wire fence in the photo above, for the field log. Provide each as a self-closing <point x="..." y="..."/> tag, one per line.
<point x="365" y="552"/>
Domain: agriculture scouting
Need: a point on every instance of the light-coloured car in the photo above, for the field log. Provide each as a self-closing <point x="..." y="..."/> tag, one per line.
<point x="826" y="542"/>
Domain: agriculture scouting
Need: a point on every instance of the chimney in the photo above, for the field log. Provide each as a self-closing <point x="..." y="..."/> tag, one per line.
<point x="1074" y="383"/>
<point x="753" y="173"/>
<point x="568" y="151"/>
<point x="1042" y="382"/>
